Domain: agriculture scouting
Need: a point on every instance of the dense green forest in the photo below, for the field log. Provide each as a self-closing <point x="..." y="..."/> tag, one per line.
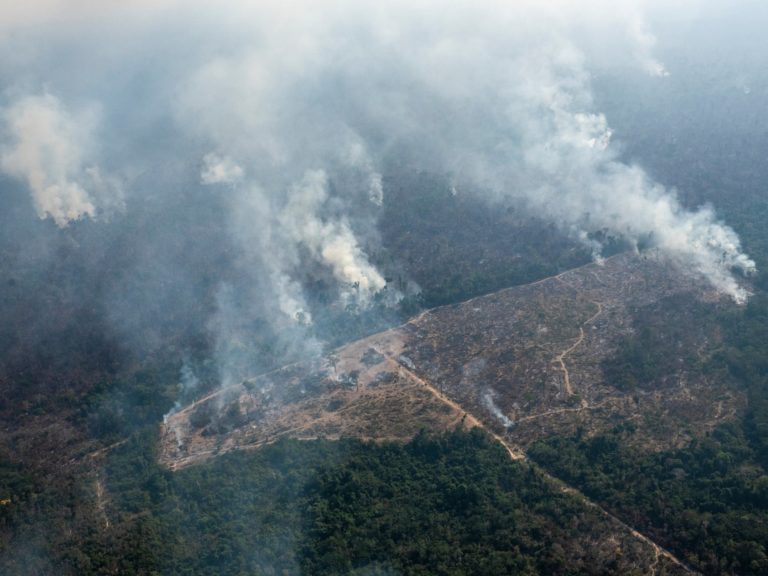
<point x="449" y="504"/>
<point x="707" y="502"/>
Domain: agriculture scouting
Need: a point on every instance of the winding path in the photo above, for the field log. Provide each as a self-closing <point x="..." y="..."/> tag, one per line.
<point x="561" y="357"/>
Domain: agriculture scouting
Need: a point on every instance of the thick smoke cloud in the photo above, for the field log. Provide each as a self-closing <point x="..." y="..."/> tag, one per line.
<point x="497" y="94"/>
<point x="218" y="170"/>
<point x="288" y="115"/>
<point x="333" y="242"/>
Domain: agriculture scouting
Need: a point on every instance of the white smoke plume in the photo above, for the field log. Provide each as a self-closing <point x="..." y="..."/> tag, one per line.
<point x="490" y="405"/>
<point x="357" y="156"/>
<point x="46" y="148"/>
<point x="470" y="373"/>
<point x="276" y="229"/>
<point x="465" y="89"/>
<point x="645" y="42"/>
<point x="220" y="170"/>
<point x="188" y="385"/>
<point x="332" y="242"/>
<point x="254" y="227"/>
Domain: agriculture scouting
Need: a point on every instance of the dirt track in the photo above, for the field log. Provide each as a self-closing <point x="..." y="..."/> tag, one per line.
<point x="561" y="357"/>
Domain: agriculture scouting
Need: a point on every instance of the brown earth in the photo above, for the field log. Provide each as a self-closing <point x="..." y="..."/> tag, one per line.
<point x="524" y="363"/>
<point x="360" y="390"/>
<point x="528" y="361"/>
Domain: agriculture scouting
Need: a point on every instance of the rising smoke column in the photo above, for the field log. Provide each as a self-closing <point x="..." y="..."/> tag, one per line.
<point x="332" y="242"/>
<point x="276" y="232"/>
<point x="45" y="146"/>
<point x="282" y="223"/>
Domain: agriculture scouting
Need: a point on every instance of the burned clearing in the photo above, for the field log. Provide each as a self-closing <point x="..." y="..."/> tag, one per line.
<point x="543" y="354"/>
<point x="525" y="363"/>
<point x="361" y="390"/>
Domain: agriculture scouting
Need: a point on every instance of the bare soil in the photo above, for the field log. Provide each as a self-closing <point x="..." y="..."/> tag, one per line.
<point x="537" y="349"/>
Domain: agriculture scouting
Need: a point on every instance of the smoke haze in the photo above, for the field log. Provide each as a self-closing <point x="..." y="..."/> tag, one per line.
<point x="276" y="123"/>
